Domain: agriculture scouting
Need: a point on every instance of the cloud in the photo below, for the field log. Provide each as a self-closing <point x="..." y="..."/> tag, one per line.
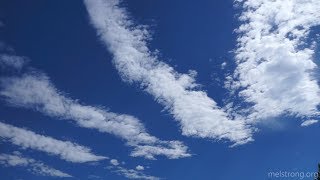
<point x="198" y="115"/>
<point x="35" y="91"/>
<point x="12" y="62"/>
<point x="173" y="150"/>
<point x="275" y="66"/>
<point x="114" y="162"/>
<point x="223" y="65"/>
<point x="64" y="149"/>
<point x="36" y="167"/>
<point x="309" y="122"/>
<point x="139" y="168"/>
<point x="130" y="173"/>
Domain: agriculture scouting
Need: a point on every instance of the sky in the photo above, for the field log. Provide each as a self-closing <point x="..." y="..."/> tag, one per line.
<point x="118" y="89"/>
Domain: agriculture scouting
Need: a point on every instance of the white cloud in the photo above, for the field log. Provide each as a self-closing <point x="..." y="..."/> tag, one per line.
<point x="309" y="122"/>
<point x="64" y="149"/>
<point x="139" y="168"/>
<point x="274" y="60"/>
<point x="199" y="115"/>
<point x="114" y="162"/>
<point x="223" y="65"/>
<point x="35" y="91"/>
<point x="173" y="149"/>
<point x="130" y="173"/>
<point x="134" y="174"/>
<point x="11" y="61"/>
<point x="36" y="167"/>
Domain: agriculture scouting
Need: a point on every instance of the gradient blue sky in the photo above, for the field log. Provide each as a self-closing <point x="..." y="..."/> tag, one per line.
<point x="59" y="40"/>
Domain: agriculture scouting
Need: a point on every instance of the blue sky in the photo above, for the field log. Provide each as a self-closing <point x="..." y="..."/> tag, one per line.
<point x="71" y="77"/>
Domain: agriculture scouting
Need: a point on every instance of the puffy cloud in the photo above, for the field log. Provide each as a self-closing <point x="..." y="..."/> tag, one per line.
<point x="139" y="168"/>
<point x="198" y="114"/>
<point x="275" y="66"/>
<point x="36" y="167"/>
<point x="35" y="91"/>
<point x="64" y="149"/>
<point x="114" y="162"/>
<point x="309" y="122"/>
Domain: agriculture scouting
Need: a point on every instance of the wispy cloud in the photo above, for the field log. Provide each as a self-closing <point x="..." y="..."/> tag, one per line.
<point x="35" y="167"/>
<point x="35" y="91"/>
<point x="129" y="173"/>
<point x="12" y="62"/>
<point x="275" y="58"/>
<point x="198" y="114"/>
<point x="309" y="122"/>
<point x="64" y="149"/>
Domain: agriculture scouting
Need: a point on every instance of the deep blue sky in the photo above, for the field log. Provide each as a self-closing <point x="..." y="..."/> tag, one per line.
<point x="58" y="39"/>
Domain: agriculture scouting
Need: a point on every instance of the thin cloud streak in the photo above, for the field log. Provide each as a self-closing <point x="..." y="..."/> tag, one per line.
<point x="309" y="122"/>
<point x="35" y="167"/>
<point x="34" y="91"/>
<point x="64" y="149"/>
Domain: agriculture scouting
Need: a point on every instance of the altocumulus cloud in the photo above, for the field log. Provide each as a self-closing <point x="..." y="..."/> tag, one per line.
<point x="35" y="91"/>
<point x="64" y="149"/>
<point x="274" y="60"/>
<point x="35" y="167"/>
<point x="197" y="113"/>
